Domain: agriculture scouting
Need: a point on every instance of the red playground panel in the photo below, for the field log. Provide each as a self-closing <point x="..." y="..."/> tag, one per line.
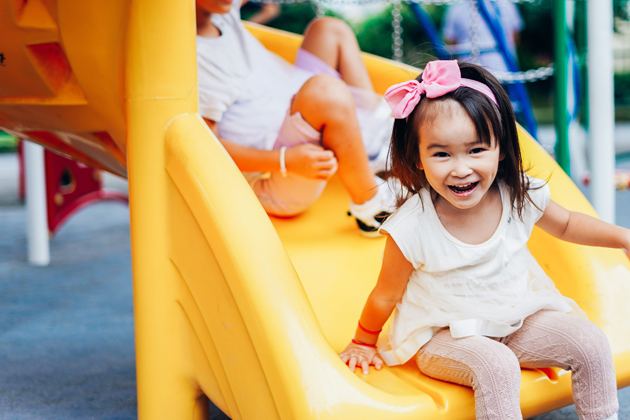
<point x="70" y="186"/>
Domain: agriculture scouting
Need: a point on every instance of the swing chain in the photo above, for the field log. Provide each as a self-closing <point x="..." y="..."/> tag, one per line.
<point x="319" y="9"/>
<point x="533" y="75"/>
<point x="528" y="76"/>
<point x="364" y="2"/>
<point x="474" y="33"/>
<point x="451" y="2"/>
<point x="397" y="40"/>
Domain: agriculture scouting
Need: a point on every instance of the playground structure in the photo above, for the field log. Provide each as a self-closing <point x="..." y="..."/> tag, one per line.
<point x="514" y="79"/>
<point x="69" y="187"/>
<point x="228" y="303"/>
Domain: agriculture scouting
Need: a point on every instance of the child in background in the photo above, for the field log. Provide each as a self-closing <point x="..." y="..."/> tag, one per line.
<point x="472" y="304"/>
<point x="289" y="129"/>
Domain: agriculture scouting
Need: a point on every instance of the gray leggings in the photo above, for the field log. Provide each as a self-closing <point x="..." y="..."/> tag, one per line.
<point x="546" y="339"/>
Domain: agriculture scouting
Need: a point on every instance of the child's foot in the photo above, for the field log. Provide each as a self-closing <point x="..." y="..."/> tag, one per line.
<point x="371" y="214"/>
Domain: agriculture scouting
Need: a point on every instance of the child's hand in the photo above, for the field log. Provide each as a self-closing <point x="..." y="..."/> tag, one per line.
<point x="311" y="161"/>
<point x="355" y="355"/>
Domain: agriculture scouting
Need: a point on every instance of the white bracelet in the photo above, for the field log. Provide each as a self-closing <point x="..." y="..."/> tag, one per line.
<point x="283" y="166"/>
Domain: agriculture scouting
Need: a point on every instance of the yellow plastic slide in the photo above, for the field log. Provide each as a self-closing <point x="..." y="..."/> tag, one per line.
<point x="229" y="304"/>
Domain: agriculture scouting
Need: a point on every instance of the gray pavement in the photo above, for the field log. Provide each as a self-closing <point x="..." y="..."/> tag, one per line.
<point x="66" y="331"/>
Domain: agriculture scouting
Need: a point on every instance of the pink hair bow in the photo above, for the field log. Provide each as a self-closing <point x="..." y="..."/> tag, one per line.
<point x="438" y="78"/>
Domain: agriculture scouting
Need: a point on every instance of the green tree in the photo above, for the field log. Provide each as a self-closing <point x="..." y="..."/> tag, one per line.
<point x="375" y="36"/>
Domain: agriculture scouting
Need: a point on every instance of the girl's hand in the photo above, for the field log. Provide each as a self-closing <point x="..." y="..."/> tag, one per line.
<point x="355" y="355"/>
<point x="311" y="161"/>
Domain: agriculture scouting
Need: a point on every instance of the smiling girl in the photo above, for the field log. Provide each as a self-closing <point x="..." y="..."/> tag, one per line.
<point x="470" y="303"/>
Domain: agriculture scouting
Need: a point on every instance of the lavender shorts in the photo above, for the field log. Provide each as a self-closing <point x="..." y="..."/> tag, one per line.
<point x="293" y="194"/>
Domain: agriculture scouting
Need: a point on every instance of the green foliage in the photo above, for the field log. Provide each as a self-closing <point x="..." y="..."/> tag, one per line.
<point x="375" y="36"/>
<point x="8" y="143"/>
<point x="249" y="10"/>
<point x="535" y="48"/>
<point x="294" y="18"/>
<point x="622" y="89"/>
<point x="620" y="9"/>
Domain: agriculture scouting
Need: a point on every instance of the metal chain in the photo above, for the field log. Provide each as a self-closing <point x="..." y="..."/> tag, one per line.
<point x="364" y="2"/>
<point x="451" y="2"/>
<point x="528" y="76"/>
<point x="319" y="9"/>
<point x="397" y="40"/>
<point x="474" y="33"/>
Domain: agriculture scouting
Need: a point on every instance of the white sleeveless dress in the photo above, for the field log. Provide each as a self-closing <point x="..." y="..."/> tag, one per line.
<point x="486" y="289"/>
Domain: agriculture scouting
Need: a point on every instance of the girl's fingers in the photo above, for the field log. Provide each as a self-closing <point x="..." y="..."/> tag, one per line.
<point x="325" y="174"/>
<point x="378" y="363"/>
<point x="353" y="363"/>
<point x="366" y="367"/>
<point x="327" y="170"/>
<point x="344" y="358"/>
<point x="325" y="164"/>
<point x="320" y="153"/>
<point x="326" y="155"/>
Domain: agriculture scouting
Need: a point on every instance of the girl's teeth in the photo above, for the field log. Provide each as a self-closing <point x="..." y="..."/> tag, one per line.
<point x="463" y="188"/>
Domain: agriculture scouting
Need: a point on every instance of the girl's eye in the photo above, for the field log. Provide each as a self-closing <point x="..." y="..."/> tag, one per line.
<point x="477" y="150"/>
<point x="441" y="154"/>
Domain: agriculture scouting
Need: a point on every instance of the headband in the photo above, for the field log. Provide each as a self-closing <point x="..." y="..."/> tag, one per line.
<point x="438" y="78"/>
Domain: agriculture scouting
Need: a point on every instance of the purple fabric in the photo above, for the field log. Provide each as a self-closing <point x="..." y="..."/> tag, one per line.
<point x="309" y="62"/>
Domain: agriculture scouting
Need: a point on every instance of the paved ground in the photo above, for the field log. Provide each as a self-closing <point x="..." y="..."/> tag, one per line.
<point x="66" y="331"/>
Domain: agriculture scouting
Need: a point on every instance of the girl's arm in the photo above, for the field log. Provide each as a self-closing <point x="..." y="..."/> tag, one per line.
<point x="308" y="160"/>
<point x="582" y="229"/>
<point x="388" y="291"/>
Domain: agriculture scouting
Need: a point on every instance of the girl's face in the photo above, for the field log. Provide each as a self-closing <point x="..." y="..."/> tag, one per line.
<point x="457" y="165"/>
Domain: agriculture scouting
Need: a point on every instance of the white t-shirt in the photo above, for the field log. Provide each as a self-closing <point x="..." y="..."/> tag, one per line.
<point x="456" y="27"/>
<point x="486" y="289"/>
<point x="244" y="87"/>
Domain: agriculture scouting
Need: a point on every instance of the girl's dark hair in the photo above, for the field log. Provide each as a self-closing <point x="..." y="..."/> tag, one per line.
<point x="489" y="123"/>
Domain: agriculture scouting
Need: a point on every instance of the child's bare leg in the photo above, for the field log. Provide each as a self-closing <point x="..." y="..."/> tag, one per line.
<point x="326" y="104"/>
<point x="332" y="41"/>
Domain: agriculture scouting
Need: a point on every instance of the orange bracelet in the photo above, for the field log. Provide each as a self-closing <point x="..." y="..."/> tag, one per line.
<point x="363" y="344"/>
<point x="368" y="331"/>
